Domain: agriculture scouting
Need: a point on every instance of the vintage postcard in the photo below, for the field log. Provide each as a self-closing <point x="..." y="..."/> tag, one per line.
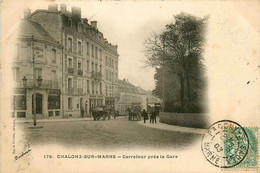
<point x="130" y="86"/>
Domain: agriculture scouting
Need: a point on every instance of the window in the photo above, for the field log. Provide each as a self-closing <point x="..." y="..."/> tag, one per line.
<point x="70" y="63"/>
<point x="106" y="61"/>
<point x="69" y="83"/>
<point x="93" y="87"/>
<point x="96" y="53"/>
<point x="69" y="22"/>
<point x="16" y="74"/>
<point x="79" y="47"/>
<point x="70" y="103"/>
<point x="87" y="48"/>
<point x="88" y="86"/>
<point x="53" y="76"/>
<point x="106" y="75"/>
<point x="53" y="55"/>
<point x="92" y="51"/>
<point x="54" y="102"/>
<point x="92" y="66"/>
<point x="97" y="88"/>
<point x="112" y="75"/>
<point x="87" y="65"/>
<point x="79" y="27"/>
<point x="109" y="62"/>
<point x="100" y="88"/>
<point x="100" y="69"/>
<point x="96" y="68"/>
<point x="38" y="72"/>
<point x="70" y="44"/>
<point x="100" y="54"/>
<point x="79" y="83"/>
<point x="79" y="65"/>
<point x="116" y="64"/>
<point x="106" y="90"/>
<point x="112" y="63"/>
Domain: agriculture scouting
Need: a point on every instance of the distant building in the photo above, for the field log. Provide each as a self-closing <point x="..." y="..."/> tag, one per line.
<point x="72" y="56"/>
<point x="131" y="95"/>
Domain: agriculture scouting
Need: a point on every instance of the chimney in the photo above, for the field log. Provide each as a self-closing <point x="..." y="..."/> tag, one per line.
<point x="63" y="7"/>
<point x="85" y="20"/>
<point x="53" y="7"/>
<point x="27" y="13"/>
<point x="76" y="13"/>
<point x="94" y="24"/>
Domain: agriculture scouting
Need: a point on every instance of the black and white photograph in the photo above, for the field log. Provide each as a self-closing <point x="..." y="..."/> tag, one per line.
<point x="130" y="86"/>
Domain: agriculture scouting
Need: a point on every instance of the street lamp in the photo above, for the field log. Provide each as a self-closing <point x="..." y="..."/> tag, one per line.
<point x="36" y="83"/>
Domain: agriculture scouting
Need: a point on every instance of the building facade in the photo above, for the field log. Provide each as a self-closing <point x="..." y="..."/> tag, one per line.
<point x="87" y="69"/>
<point x="35" y="47"/>
<point x="131" y="95"/>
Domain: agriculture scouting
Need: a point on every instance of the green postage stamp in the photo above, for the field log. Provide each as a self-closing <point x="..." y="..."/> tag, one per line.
<point x="228" y="145"/>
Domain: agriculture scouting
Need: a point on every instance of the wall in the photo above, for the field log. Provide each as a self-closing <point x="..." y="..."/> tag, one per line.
<point x="184" y="119"/>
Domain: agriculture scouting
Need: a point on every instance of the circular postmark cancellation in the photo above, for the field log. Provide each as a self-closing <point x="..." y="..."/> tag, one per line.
<point x="225" y="144"/>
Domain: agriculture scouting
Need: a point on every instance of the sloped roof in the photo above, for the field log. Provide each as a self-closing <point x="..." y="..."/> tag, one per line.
<point x="28" y="29"/>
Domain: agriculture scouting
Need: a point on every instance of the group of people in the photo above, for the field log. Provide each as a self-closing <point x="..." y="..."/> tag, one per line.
<point x="152" y="114"/>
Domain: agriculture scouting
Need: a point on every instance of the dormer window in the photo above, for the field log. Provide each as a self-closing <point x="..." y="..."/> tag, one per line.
<point x="79" y="27"/>
<point x="69" y="22"/>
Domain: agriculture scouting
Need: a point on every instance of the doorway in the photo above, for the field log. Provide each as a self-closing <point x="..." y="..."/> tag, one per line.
<point x="38" y="104"/>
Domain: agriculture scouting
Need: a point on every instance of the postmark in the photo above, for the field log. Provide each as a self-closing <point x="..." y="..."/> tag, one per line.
<point x="225" y="144"/>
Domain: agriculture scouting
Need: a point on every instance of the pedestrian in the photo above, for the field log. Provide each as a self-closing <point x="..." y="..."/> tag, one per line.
<point x="154" y="116"/>
<point x="144" y="115"/>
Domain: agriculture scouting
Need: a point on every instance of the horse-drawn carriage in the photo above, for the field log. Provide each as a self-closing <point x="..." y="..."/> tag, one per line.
<point x="134" y="113"/>
<point x="101" y="112"/>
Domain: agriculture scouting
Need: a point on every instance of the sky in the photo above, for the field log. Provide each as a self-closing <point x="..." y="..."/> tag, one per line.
<point x="231" y="54"/>
<point x="128" y="28"/>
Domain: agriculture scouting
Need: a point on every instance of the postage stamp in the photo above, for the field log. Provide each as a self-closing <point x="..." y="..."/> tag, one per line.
<point x="226" y="144"/>
<point x="250" y="162"/>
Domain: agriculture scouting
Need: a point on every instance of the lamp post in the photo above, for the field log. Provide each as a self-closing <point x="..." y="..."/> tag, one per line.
<point x="36" y="83"/>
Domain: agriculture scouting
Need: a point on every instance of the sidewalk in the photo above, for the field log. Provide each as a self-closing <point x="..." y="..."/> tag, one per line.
<point x="52" y="120"/>
<point x="163" y="126"/>
<point x="57" y="120"/>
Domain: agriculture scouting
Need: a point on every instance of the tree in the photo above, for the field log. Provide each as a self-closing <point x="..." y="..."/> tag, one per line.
<point x="178" y="50"/>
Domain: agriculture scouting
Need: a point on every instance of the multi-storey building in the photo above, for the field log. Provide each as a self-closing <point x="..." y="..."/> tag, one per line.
<point x="35" y="47"/>
<point x="129" y="96"/>
<point x="89" y="64"/>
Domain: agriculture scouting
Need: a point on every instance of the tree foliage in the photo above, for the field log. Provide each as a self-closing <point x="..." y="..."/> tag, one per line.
<point x="177" y="55"/>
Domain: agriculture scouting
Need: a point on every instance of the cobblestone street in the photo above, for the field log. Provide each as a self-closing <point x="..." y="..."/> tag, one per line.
<point x="107" y="134"/>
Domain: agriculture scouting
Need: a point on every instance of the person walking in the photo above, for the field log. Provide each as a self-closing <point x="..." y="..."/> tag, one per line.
<point x="144" y="115"/>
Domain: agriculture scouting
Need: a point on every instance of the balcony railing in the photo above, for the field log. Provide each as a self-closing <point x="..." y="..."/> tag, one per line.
<point x="80" y="91"/>
<point x="70" y="91"/>
<point x="80" y="72"/>
<point x="71" y="70"/>
<point x="75" y="91"/>
<point x="45" y="84"/>
<point x="96" y="75"/>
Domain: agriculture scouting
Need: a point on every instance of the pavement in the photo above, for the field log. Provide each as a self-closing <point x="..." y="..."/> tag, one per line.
<point x="57" y="120"/>
<point x="157" y="125"/>
<point x="105" y="134"/>
<point x="168" y="127"/>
